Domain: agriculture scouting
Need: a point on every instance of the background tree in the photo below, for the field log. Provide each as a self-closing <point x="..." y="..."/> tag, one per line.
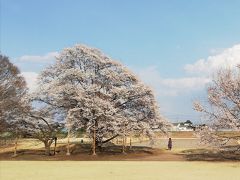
<point x="188" y="122"/>
<point x="12" y="89"/>
<point x="17" y="114"/>
<point x="99" y="94"/>
<point x="223" y="109"/>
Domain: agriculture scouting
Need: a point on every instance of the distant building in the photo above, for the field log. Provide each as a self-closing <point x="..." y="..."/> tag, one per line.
<point x="183" y="126"/>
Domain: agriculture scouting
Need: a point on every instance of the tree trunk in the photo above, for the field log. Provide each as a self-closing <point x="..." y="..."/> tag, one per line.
<point x="124" y="141"/>
<point x="94" y="141"/>
<point x="55" y="145"/>
<point x="126" y="145"/>
<point x="68" y="143"/>
<point x="15" y="146"/>
<point x="130" y="143"/>
<point x="47" y="145"/>
<point x="47" y="150"/>
<point x="123" y="145"/>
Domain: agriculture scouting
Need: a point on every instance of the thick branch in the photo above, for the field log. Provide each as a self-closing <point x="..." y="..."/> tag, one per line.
<point x="110" y="138"/>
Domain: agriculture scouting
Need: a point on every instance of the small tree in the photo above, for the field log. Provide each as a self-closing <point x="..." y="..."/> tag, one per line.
<point x="41" y="124"/>
<point x="223" y="109"/>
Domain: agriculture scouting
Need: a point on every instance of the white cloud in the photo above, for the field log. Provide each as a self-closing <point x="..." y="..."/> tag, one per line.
<point x="215" y="51"/>
<point x="49" y="57"/>
<point x="228" y="58"/>
<point x="31" y="79"/>
<point x="201" y="72"/>
<point x="170" y="86"/>
<point x="187" y="83"/>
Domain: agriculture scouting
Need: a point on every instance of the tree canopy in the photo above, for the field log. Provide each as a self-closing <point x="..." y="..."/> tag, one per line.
<point x="223" y="108"/>
<point x="12" y="89"/>
<point x="98" y="94"/>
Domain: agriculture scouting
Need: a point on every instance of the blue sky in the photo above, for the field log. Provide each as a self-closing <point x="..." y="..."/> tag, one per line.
<point x="154" y="38"/>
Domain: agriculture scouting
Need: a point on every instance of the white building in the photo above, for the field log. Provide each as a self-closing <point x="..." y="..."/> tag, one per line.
<point x="183" y="126"/>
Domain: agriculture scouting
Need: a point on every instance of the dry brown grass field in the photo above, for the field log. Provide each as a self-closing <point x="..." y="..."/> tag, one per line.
<point x="117" y="170"/>
<point x="187" y="160"/>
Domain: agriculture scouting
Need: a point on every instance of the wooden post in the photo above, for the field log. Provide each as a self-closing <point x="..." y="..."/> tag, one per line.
<point x="94" y="140"/>
<point x="68" y="143"/>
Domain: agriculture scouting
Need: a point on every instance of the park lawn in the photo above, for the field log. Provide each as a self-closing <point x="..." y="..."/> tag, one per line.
<point x="114" y="170"/>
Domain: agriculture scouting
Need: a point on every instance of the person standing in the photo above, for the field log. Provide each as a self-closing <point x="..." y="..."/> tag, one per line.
<point x="169" y="144"/>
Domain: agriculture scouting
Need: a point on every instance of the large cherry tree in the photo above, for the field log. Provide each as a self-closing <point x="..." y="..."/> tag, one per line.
<point x="100" y="95"/>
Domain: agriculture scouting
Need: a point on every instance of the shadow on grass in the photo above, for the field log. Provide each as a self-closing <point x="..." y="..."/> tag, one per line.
<point x="228" y="153"/>
<point x="80" y="152"/>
